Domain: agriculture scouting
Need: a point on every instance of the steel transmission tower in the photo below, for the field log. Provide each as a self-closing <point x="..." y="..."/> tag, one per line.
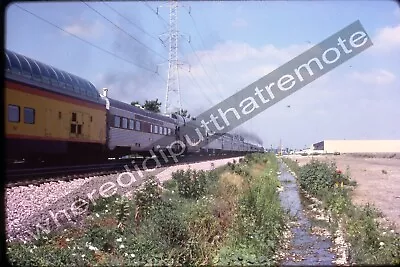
<point x="173" y="94"/>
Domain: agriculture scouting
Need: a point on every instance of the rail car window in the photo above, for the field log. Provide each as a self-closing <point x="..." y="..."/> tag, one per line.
<point x="75" y="84"/>
<point x="13" y="113"/>
<point x="8" y="63"/>
<point x="137" y="126"/>
<point x="36" y="71"/>
<point x="15" y="65"/>
<point x="61" y="78"/>
<point x="117" y="121"/>
<point x="45" y="72"/>
<point x="29" y="115"/>
<point x="89" y="90"/>
<point x="124" y="123"/>
<point x="82" y="89"/>
<point x="26" y="68"/>
<point x="131" y="124"/>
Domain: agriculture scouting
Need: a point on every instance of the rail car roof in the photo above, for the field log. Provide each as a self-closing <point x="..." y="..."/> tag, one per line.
<point x="29" y="70"/>
<point x="128" y="107"/>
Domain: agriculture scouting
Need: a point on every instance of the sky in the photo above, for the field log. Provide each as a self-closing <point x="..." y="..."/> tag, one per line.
<point x="223" y="47"/>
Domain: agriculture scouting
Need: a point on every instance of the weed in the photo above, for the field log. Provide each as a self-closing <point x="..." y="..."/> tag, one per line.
<point x="191" y="183"/>
<point x="369" y="244"/>
<point x="147" y="198"/>
<point x="122" y="212"/>
<point x="231" y="214"/>
<point x="260" y="219"/>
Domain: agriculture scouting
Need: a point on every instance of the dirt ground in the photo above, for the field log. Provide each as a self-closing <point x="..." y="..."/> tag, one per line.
<point x="378" y="181"/>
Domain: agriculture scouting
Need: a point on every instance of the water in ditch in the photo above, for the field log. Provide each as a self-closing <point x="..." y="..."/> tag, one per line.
<point x="306" y="248"/>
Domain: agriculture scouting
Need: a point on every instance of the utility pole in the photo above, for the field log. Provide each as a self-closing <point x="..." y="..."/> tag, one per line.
<point x="173" y="76"/>
<point x="173" y="94"/>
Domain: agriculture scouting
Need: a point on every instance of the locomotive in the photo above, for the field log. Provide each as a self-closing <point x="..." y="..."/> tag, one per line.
<point x="53" y="115"/>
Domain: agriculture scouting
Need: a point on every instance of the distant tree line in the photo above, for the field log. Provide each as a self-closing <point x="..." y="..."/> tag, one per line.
<point x="155" y="106"/>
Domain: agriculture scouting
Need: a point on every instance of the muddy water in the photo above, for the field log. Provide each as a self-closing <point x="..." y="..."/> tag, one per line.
<point x="306" y="248"/>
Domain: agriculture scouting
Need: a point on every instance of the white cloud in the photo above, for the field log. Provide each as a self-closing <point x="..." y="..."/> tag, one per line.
<point x="387" y="39"/>
<point x="320" y="110"/>
<point x="239" y="23"/>
<point x="235" y="52"/>
<point x="375" y="77"/>
<point x="85" y="29"/>
<point x="312" y="109"/>
<point x="230" y="66"/>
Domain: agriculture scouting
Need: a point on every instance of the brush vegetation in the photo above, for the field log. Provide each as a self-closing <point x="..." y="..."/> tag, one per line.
<point x="228" y="216"/>
<point x="370" y="242"/>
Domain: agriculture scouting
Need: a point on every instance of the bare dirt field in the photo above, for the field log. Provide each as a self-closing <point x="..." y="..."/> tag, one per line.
<point x="377" y="177"/>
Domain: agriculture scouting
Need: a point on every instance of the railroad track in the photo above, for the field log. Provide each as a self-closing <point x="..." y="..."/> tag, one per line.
<point x="37" y="176"/>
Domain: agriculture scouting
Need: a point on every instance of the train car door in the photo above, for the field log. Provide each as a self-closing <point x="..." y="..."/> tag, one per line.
<point x="86" y="121"/>
<point x="73" y="132"/>
<point x="77" y="125"/>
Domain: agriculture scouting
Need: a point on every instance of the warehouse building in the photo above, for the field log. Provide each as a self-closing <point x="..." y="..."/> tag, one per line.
<point x="357" y="146"/>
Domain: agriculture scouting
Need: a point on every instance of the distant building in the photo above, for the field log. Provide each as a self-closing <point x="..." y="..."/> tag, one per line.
<point x="358" y="146"/>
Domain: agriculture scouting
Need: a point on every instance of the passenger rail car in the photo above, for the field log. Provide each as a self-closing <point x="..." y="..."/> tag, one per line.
<point x="54" y="115"/>
<point x="134" y="130"/>
<point x="50" y="113"/>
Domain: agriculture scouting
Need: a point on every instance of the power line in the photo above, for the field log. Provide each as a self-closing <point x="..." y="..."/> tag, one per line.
<point x="173" y="70"/>
<point x="85" y="41"/>
<point x="204" y="46"/>
<point x="205" y="70"/>
<point x="193" y="79"/>
<point x="155" y="12"/>
<point x="116" y="11"/>
<point x="123" y="30"/>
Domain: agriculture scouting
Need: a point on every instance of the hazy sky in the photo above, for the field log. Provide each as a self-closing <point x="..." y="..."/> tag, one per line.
<point x="232" y="44"/>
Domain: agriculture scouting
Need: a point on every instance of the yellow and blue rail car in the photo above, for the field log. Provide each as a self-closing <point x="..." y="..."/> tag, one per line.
<point x="51" y="113"/>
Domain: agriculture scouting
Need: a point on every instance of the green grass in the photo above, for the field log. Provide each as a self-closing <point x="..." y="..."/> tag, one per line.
<point x="227" y="216"/>
<point x="260" y="219"/>
<point x="293" y="165"/>
<point x="370" y="243"/>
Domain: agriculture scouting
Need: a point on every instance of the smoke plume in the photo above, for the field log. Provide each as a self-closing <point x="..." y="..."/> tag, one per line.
<point x="250" y="136"/>
<point x="134" y="83"/>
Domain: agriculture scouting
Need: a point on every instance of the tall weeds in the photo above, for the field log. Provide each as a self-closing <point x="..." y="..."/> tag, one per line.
<point x="369" y="242"/>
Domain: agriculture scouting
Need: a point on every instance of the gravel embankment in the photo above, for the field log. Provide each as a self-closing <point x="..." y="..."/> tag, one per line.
<point x="26" y="206"/>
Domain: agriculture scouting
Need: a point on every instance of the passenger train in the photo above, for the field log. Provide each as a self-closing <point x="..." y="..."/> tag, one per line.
<point x="53" y="115"/>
